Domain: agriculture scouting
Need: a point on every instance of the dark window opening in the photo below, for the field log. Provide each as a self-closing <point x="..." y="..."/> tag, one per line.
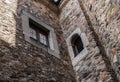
<point x="90" y="7"/>
<point x="77" y="44"/>
<point x="56" y="2"/>
<point x="38" y="33"/>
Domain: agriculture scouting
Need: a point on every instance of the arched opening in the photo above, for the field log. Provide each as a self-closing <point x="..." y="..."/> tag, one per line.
<point x="77" y="44"/>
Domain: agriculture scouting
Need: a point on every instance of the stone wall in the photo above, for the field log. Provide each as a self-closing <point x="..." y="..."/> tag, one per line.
<point x="93" y="67"/>
<point x="105" y="18"/>
<point x="20" y="61"/>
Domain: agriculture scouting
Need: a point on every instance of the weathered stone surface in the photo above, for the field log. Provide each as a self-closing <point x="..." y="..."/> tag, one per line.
<point x="106" y="25"/>
<point x="20" y="61"/>
<point x="104" y="16"/>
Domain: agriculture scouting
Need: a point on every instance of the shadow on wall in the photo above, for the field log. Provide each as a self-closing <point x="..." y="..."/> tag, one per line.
<point x="13" y="58"/>
<point x="16" y="55"/>
<point x="19" y="60"/>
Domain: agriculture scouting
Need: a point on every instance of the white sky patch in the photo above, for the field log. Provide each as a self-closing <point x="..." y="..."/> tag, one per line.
<point x="55" y="0"/>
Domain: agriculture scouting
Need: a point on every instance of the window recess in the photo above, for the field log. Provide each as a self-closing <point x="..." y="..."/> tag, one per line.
<point x="39" y="34"/>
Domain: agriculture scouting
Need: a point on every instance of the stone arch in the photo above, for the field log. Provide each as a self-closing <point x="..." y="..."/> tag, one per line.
<point x="77" y="44"/>
<point x="76" y="58"/>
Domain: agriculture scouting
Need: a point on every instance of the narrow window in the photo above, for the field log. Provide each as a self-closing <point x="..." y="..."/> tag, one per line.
<point x="77" y="44"/>
<point x="38" y="33"/>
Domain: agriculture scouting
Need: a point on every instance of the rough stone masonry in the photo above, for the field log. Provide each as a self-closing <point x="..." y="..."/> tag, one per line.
<point x="99" y="20"/>
<point x="20" y="61"/>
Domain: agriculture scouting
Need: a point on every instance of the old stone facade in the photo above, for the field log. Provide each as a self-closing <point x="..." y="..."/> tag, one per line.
<point x="21" y="61"/>
<point x="96" y="22"/>
<point x="99" y="20"/>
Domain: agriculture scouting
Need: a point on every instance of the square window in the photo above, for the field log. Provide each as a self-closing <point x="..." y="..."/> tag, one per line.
<point x="38" y="33"/>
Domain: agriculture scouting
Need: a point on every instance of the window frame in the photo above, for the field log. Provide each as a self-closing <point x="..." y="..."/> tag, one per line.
<point x="53" y="45"/>
<point x="84" y="52"/>
<point x="38" y="30"/>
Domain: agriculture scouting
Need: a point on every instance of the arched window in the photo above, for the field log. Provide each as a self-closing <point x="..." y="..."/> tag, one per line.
<point x="77" y="44"/>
